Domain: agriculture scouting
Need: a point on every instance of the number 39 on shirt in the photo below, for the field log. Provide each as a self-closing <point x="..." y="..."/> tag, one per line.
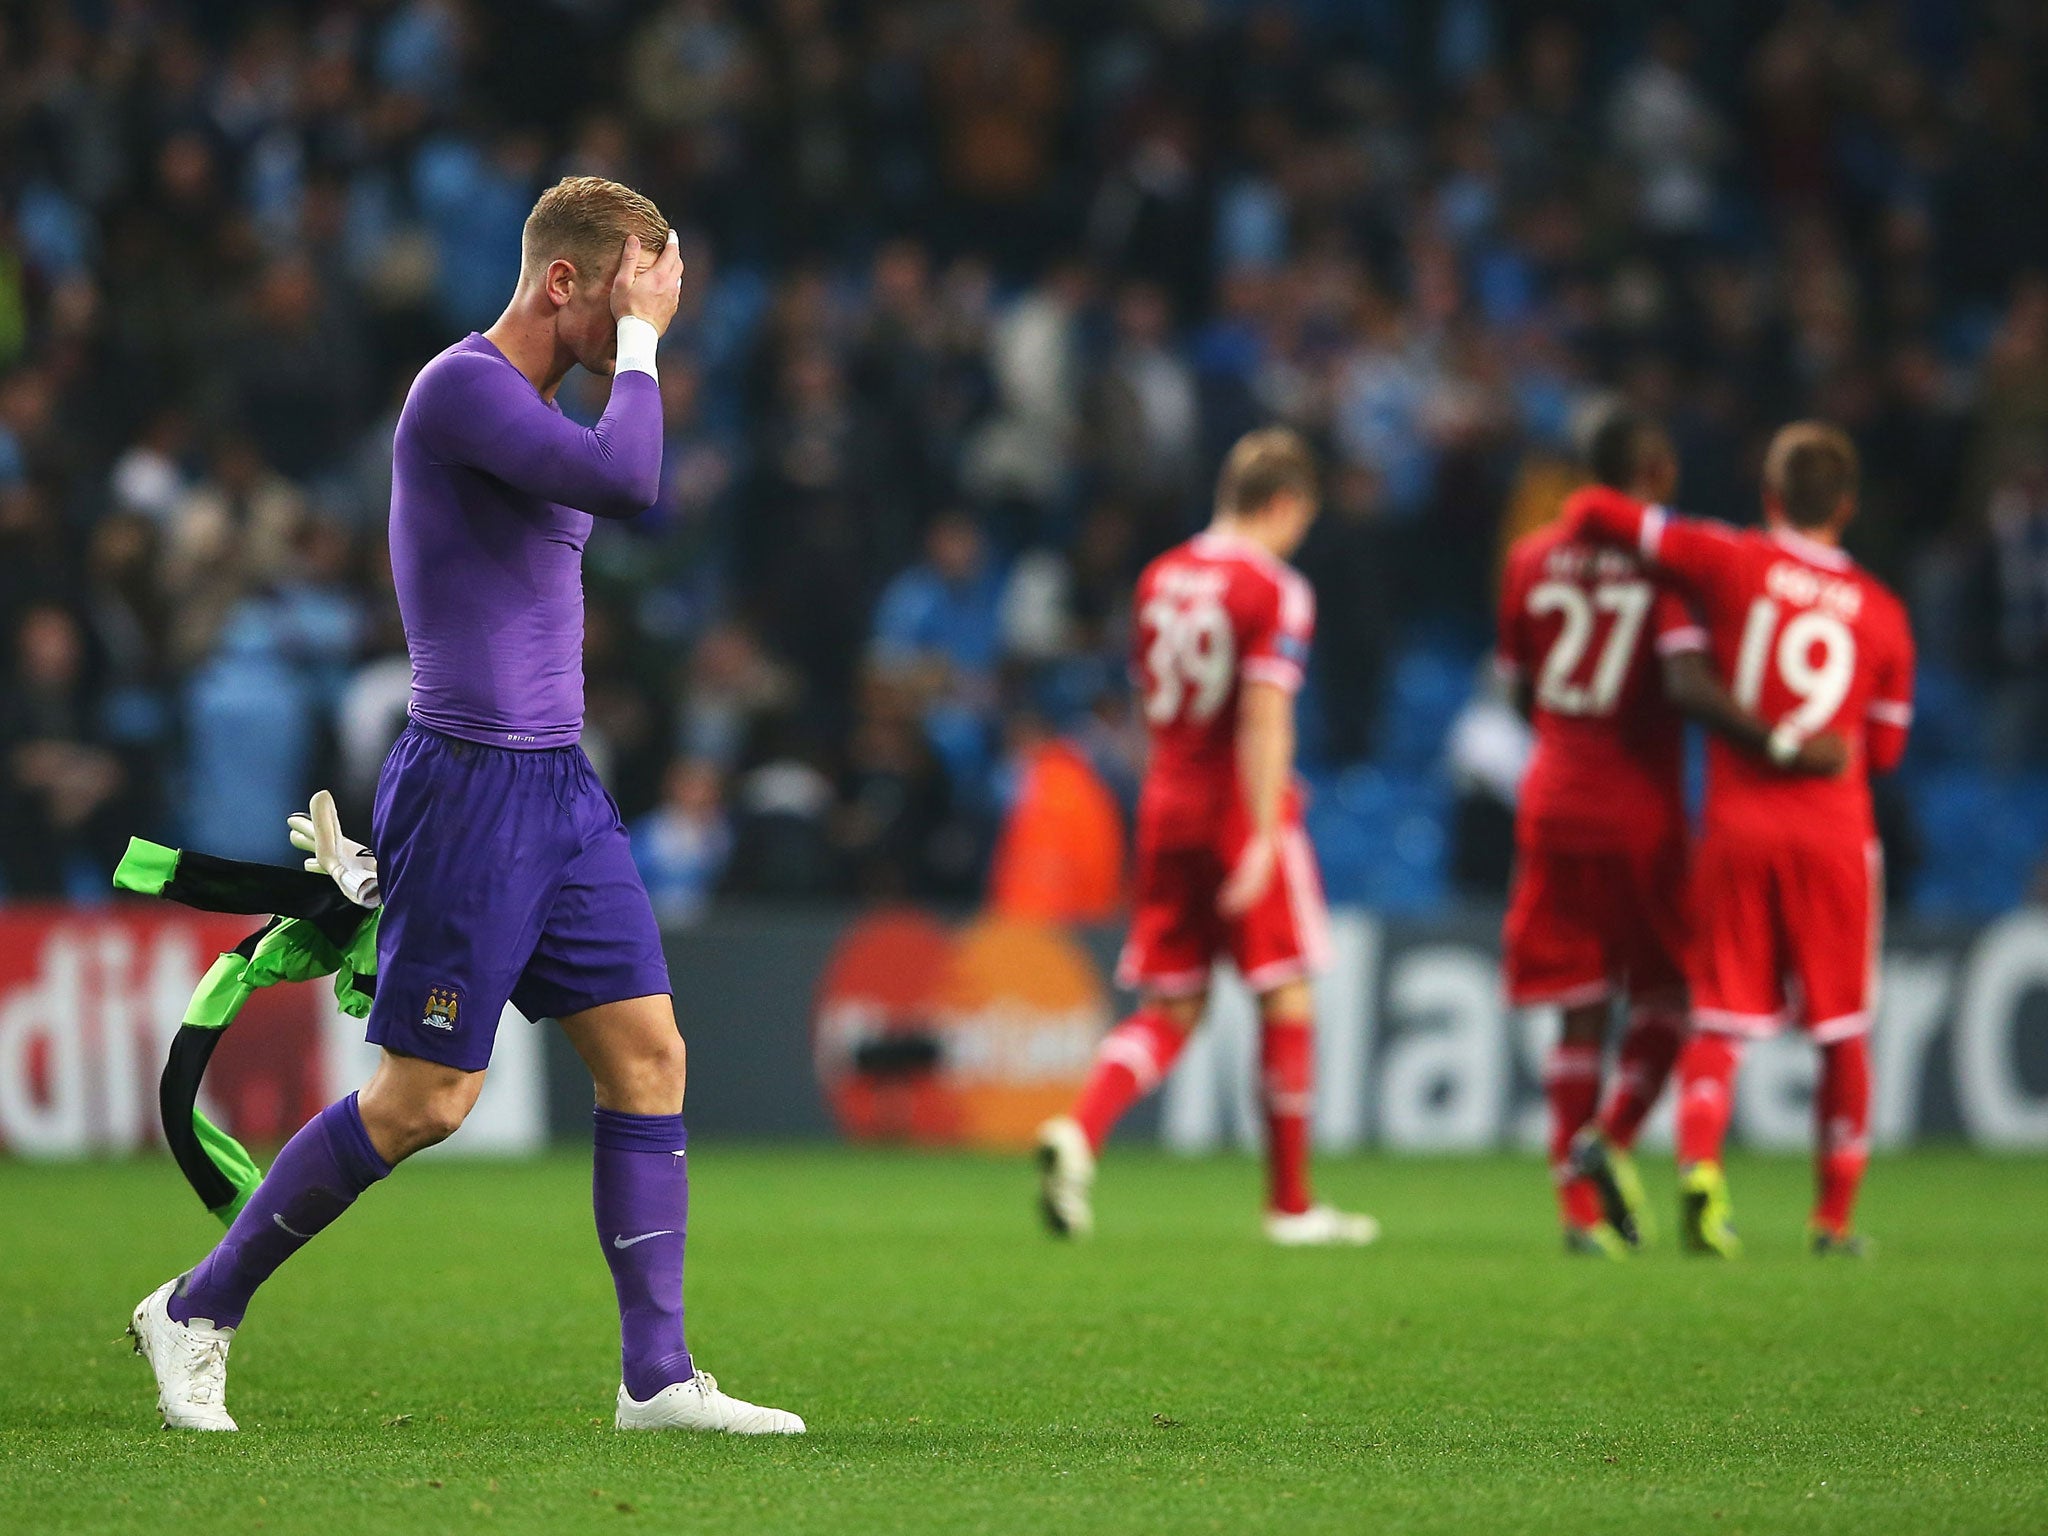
<point x="1191" y="660"/>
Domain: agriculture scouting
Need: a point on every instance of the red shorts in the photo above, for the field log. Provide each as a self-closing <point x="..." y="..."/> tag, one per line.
<point x="1583" y="925"/>
<point x="1786" y="931"/>
<point x="1177" y="935"/>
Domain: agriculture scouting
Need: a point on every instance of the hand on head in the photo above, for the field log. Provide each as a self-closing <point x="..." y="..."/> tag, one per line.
<point x="652" y="294"/>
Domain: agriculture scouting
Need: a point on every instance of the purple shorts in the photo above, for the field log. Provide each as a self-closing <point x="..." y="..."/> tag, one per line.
<point x="506" y="877"/>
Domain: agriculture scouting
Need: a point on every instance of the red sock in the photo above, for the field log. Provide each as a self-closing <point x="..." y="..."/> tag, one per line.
<point x="1287" y="1088"/>
<point x="1842" y="1110"/>
<point x="1648" y="1052"/>
<point x="1706" y="1095"/>
<point x="1129" y="1063"/>
<point x="1571" y="1082"/>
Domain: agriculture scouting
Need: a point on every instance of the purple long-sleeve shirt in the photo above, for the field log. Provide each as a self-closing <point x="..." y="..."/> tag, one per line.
<point x="492" y="494"/>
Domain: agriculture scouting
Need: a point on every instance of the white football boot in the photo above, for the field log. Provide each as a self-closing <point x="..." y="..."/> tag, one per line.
<point x="190" y="1361"/>
<point x="698" y="1404"/>
<point x="1066" y="1177"/>
<point x="1321" y="1226"/>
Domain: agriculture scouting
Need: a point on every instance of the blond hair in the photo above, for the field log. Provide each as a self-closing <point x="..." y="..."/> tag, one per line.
<point x="1262" y="465"/>
<point x="584" y="220"/>
<point x="1810" y="468"/>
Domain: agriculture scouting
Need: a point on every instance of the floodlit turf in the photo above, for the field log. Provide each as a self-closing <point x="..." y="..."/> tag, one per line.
<point x="444" y="1359"/>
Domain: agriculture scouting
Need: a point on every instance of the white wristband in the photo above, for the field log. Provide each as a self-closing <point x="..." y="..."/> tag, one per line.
<point x="637" y="341"/>
<point x="1784" y="744"/>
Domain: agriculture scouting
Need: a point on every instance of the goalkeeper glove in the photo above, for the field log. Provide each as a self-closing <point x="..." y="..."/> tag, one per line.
<point x="317" y="831"/>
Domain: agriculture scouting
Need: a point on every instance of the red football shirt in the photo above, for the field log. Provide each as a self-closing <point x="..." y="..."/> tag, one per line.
<point x="1212" y="614"/>
<point x="1800" y="633"/>
<point x="1585" y="623"/>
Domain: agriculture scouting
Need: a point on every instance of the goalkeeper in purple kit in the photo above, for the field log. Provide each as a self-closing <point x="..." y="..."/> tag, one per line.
<point x="502" y="862"/>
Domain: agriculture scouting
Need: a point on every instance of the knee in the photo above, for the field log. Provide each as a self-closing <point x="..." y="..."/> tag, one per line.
<point x="646" y="1077"/>
<point x="441" y="1115"/>
<point x="423" y="1121"/>
<point x="1290" y="1003"/>
<point x="408" y="1114"/>
<point x="667" y="1065"/>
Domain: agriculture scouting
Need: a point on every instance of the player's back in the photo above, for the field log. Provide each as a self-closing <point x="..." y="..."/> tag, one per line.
<point x="1211" y="614"/>
<point x="1585" y="624"/>
<point x="1803" y="635"/>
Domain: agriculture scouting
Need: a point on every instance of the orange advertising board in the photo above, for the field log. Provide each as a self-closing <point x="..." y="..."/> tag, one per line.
<point x="927" y="1035"/>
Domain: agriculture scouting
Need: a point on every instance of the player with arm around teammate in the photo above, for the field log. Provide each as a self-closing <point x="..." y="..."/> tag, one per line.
<point x="1602" y="658"/>
<point x="502" y="862"/>
<point x="1788" y="882"/>
<point x="1219" y="647"/>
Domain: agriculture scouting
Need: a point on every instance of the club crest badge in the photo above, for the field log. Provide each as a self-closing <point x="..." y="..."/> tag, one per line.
<point x="443" y="1004"/>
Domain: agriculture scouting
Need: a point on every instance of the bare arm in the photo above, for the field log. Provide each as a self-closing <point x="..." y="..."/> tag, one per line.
<point x="1690" y="684"/>
<point x="1265" y="767"/>
<point x="1265" y="752"/>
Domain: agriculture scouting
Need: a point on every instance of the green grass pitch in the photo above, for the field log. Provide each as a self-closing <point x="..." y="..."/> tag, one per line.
<point x="444" y="1359"/>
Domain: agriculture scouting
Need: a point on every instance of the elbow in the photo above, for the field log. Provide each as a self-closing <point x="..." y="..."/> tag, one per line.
<point x="646" y="487"/>
<point x="630" y="496"/>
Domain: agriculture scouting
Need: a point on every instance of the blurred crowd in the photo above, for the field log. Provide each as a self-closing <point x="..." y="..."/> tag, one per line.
<point x="977" y="293"/>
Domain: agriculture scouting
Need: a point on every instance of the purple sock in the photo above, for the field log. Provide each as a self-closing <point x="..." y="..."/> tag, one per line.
<point x="315" y="1178"/>
<point x="640" y="1190"/>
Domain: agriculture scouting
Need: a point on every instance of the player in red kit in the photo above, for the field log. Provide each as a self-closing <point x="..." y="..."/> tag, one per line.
<point x="1788" y="882"/>
<point x="1224" y="869"/>
<point x="1600" y="655"/>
